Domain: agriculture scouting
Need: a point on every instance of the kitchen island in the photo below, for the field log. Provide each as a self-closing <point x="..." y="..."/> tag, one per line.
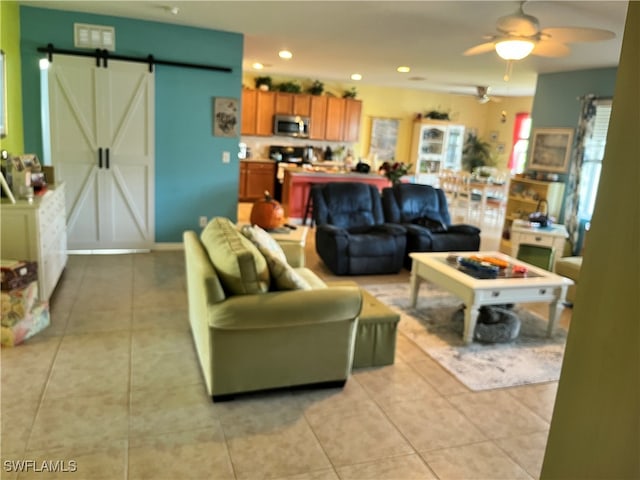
<point x="298" y="181"/>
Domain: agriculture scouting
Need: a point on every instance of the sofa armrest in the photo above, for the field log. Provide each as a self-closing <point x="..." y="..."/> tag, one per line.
<point x="463" y="228"/>
<point x="418" y="230"/>
<point x="391" y="228"/>
<point x="286" y="309"/>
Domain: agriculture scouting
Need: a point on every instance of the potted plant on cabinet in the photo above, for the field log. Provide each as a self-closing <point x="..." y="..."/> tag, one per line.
<point x="350" y="93"/>
<point x="316" y="88"/>
<point x="263" y="83"/>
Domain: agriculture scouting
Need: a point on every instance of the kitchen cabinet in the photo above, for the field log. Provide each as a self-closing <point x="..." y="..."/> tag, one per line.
<point x="318" y="117"/>
<point x="435" y="146"/>
<point x="258" y="108"/>
<point x="331" y="118"/>
<point x="352" y="113"/>
<point x="335" y="119"/>
<point x="249" y="112"/>
<point x="293" y="104"/>
<point x="524" y="197"/>
<point x="37" y="232"/>
<point x="256" y="177"/>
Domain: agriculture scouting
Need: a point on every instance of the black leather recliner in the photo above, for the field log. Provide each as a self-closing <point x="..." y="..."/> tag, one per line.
<point x="351" y="235"/>
<point x="423" y="211"/>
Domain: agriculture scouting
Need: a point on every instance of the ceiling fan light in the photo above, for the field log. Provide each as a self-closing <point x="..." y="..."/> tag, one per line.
<point x="514" y="49"/>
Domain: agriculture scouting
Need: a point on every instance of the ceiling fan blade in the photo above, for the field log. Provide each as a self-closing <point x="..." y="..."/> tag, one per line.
<point x="577" y="34"/>
<point x="478" y="49"/>
<point x="550" y="48"/>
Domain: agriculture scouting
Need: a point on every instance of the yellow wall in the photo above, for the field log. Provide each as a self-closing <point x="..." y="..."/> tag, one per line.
<point x="403" y="104"/>
<point x="10" y="44"/>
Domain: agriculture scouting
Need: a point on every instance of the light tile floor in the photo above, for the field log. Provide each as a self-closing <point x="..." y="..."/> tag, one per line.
<point x="114" y="385"/>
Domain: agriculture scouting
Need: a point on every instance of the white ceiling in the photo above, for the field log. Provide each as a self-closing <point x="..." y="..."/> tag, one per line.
<point x="331" y="40"/>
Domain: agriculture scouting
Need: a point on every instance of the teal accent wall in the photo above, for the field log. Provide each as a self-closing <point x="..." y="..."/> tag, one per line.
<point x="557" y="100"/>
<point x="191" y="180"/>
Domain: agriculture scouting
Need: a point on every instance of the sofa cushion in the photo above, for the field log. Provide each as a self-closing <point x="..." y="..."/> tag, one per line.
<point x="240" y="265"/>
<point x="569" y="267"/>
<point x="282" y="274"/>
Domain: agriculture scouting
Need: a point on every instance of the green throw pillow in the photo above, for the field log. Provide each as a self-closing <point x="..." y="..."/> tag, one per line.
<point x="284" y="276"/>
<point x="240" y="265"/>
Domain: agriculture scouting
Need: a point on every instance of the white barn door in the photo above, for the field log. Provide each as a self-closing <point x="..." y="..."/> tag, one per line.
<point x="102" y="146"/>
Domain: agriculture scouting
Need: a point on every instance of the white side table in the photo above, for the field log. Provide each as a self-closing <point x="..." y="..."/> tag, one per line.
<point x="293" y="243"/>
<point x="553" y="237"/>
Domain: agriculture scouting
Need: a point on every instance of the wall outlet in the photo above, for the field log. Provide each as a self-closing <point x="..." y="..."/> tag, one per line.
<point x="203" y="222"/>
<point x="226" y="157"/>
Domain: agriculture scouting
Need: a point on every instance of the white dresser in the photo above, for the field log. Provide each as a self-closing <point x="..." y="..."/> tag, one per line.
<point x="553" y="237"/>
<point x="37" y="232"/>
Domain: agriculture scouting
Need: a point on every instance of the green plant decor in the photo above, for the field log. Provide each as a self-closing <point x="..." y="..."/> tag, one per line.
<point x="316" y="88"/>
<point x="476" y="153"/>
<point x="350" y="93"/>
<point x="263" y="81"/>
<point x="435" y="115"/>
<point x="289" y="87"/>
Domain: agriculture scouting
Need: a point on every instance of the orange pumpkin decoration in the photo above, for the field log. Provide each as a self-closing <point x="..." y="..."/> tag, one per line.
<point x="267" y="213"/>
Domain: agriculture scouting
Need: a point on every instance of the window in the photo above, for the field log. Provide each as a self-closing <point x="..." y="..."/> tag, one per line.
<point x="521" y="132"/>
<point x="592" y="163"/>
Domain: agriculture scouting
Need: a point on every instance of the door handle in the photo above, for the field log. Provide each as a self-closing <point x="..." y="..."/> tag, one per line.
<point x="107" y="158"/>
<point x="100" y="157"/>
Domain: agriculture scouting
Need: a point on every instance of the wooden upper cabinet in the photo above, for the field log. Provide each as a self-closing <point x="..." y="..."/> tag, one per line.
<point x="266" y="106"/>
<point x="335" y="119"/>
<point x="249" y="112"/>
<point x="318" y="117"/>
<point x="331" y="118"/>
<point x="293" y="104"/>
<point x="258" y="108"/>
<point x="352" y="113"/>
<point x="284" y="103"/>
<point x="302" y="105"/>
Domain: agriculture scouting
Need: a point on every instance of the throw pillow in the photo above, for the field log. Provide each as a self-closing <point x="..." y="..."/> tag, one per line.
<point x="265" y="242"/>
<point x="240" y="265"/>
<point x="283" y="275"/>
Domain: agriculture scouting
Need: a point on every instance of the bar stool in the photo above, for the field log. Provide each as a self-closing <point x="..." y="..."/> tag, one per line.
<point x="308" y="208"/>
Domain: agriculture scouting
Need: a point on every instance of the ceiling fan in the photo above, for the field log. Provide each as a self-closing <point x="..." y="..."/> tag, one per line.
<point x="519" y="35"/>
<point x="482" y="95"/>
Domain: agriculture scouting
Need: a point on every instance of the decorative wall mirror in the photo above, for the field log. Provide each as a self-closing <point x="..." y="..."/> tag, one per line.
<point x="3" y="95"/>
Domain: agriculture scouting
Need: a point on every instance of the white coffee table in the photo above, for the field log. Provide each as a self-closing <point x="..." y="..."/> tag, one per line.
<point x="543" y="287"/>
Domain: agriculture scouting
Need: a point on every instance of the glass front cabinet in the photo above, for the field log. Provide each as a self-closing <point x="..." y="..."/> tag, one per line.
<point x="436" y="146"/>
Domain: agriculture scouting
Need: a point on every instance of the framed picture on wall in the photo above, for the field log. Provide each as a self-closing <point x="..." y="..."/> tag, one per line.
<point x="551" y="149"/>
<point x="225" y="117"/>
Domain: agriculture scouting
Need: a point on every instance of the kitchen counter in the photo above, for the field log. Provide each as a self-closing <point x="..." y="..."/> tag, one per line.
<point x="258" y="160"/>
<point x="298" y="181"/>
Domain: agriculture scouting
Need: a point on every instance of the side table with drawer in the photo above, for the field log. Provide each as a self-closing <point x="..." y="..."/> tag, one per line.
<point x="553" y="237"/>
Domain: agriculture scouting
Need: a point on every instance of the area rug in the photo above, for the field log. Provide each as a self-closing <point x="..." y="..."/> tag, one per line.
<point x="531" y="358"/>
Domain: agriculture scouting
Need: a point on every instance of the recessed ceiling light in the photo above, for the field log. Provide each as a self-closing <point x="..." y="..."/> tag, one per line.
<point x="356" y="76"/>
<point x="285" y="54"/>
<point x="403" y="69"/>
<point x="173" y="10"/>
<point x="257" y="66"/>
<point x="417" y="79"/>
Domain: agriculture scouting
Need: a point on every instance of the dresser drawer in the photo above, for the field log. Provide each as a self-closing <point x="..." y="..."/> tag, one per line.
<point x="535" y="239"/>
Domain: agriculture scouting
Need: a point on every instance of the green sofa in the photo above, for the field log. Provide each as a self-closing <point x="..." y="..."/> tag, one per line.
<point x="569" y="267"/>
<point x="263" y="339"/>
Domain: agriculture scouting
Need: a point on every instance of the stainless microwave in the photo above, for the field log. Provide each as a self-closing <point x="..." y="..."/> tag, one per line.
<point x="291" y="126"/>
